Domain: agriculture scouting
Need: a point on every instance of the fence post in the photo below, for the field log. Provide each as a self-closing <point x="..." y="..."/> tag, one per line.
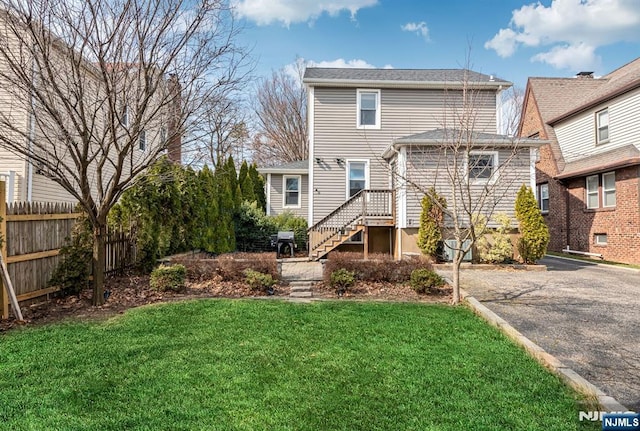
<point x="4" y="298"/>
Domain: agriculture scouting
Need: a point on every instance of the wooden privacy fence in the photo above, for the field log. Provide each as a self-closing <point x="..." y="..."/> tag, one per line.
<point x="32" y="236"/>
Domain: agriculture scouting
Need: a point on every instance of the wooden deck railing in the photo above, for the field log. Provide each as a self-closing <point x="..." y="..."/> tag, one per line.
<point x="366" y="204"/>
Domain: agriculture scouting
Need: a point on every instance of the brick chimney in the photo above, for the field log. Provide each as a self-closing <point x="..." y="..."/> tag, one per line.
<point x="174" y="146"/>
<point x="584" y="75"/>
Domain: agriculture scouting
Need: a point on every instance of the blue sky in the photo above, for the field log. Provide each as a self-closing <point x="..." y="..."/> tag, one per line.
<point x="512" y="39"/>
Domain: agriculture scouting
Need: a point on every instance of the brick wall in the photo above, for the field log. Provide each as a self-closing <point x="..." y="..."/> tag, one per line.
<point x="621" y="224"/>
<point x="546" y="169"/>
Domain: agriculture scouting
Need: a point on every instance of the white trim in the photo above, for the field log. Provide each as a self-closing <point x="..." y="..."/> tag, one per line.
<point x="359" y="92"/>
<point x="499" y="108"/>
<point x="268" y="187"/>
<point x="533" y="156"/>
<point x="284" y="191"/>
<point x="401" y="195"/>
<point x="366" y="174"/>
<point x="495" y="174"/>
<point x="310" y="129"/>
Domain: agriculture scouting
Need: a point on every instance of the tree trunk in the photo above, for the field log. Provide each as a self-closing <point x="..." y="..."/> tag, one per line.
<point x="457" y="260"/>
<point x="99" y="245"/>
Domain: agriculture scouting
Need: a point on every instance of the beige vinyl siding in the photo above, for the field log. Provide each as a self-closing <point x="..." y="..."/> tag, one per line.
<point x="46" y="190"/>
<point x="403" y="112"/>
<point x="577" y="135"/>
<point x="426" y="169"/>
<point x="277" y="196"/>
<point x="11" y="162"/>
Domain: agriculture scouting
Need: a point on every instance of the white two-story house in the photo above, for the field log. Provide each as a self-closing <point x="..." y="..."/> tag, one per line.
<point x="375" y="136"/>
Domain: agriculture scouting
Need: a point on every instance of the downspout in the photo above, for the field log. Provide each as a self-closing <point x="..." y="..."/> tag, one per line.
<point x="269" y="194"/>
<point x="567" y="213"/>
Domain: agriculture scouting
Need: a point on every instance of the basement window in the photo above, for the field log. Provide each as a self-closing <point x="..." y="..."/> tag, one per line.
<point x="600" y="239"/>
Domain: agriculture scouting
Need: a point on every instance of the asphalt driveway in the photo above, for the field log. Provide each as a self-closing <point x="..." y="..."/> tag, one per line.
<point x="586" y="315"/>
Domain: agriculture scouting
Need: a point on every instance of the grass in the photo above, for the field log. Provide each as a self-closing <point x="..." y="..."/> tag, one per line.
<point x="270" y="365"/>
<point x="592" y="260"/>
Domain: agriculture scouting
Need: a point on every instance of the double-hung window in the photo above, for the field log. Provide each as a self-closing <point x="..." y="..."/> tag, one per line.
<point x="601" y="190"/>
<point x="142" y="140"/>
<point x="291" y="191"/>
<point x="543" y="197"/>
<point x="602" y="126"/>
<point x="368" y="109"/>
<point x="482" y="166"/>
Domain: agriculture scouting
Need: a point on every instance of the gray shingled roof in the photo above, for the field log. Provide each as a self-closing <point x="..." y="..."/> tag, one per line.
<point x="439" y="136"/>
<point x="627" y="155"/>
<point x="559" y="98"/>
<point x="611" y="85"/>
<point x="297" y="166"/>
<point x="345" y="75"/>
<point x="553" y="96"/>
<point x="450" y="134"/>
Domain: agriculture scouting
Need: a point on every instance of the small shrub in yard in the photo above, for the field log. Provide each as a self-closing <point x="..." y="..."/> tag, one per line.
<point x="424" y="280"/>
<point x="342" y="279"/>
<point x="258" y="280"/>
<point x="231" y="267"/>
<point x="379" y="267"/>
<point x="169" y="278"/>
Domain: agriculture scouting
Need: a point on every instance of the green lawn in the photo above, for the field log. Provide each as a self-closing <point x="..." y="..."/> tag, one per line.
<point x="271" y="365"/>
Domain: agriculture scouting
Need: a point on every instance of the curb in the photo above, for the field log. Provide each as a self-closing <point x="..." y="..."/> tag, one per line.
<point x="491" y="266"/>
<point x="549" y="361"/>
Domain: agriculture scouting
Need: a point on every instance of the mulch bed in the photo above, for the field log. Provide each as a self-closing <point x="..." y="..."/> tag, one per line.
<point x="133" y="291"/>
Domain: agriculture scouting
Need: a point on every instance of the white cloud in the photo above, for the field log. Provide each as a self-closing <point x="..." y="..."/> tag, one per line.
<point x="419" y="28"/>
<point x="575" y="57"/>
<point x="265" y="12"/>
<point x="342" y="63"/>
<point x="573" y="29"/>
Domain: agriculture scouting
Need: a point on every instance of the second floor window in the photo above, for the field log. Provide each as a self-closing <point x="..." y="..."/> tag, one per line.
<point x="368" y="109"/>
<point x="602" y="124"/>
<point x="543" y="197"/>
<point x="142" y="141"/>
<point x="601" y="190"/>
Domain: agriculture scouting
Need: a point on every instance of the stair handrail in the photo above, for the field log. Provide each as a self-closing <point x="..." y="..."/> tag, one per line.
<point x="337" y="210"/>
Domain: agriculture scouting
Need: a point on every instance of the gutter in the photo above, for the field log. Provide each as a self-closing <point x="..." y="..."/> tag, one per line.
<point x="632" y="161"/>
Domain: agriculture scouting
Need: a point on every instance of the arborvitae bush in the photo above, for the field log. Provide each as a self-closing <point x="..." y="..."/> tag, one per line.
<point x="534" y="233"/>
<point x="424" y="280"/>
<point x="431" y="221"/>
<point x="501" y="248"/>
<point x="168" y="278"/>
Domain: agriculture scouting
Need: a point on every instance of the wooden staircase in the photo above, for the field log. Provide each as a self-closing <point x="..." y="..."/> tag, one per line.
<point x="366" y="208"/>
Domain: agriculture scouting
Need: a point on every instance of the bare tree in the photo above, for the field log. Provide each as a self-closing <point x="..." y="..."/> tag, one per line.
<point x="105" y="86"/>
<point x="281" y="111"/>
<point x="478" y="172"/>
<point x="221" y="132"/>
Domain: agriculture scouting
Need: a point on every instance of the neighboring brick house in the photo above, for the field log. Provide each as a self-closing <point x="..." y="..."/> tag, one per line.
<point x="587" y="178"/>
<point x="371" y="129"/>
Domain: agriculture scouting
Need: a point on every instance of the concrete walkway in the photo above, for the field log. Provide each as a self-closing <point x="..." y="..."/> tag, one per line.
<point x="586" y="315"/>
